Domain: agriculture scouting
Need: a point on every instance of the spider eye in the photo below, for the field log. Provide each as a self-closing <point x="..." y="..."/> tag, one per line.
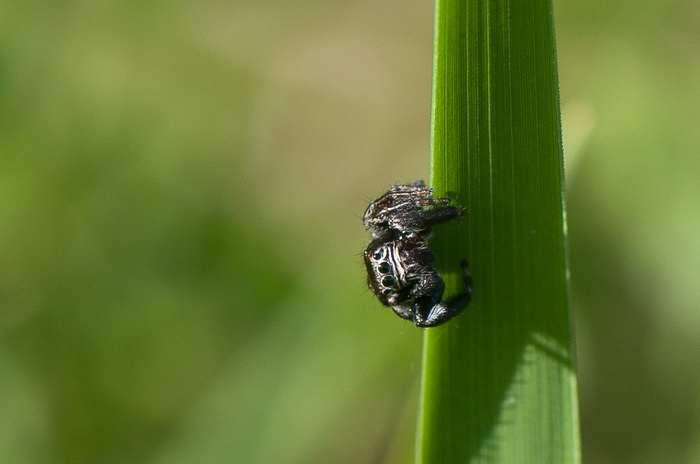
<point x="388" y="281"/>
<point x="384" y="267"/>
<point x="378" y="255"/>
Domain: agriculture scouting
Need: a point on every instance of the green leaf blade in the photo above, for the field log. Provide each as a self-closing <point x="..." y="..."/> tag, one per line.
<point x="499" y="382"/>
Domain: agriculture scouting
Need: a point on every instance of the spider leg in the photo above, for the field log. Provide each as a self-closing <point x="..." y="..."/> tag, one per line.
<point x="405" y="312"/>
<point x="437" y="215"/>
<point x="422" y="221"/>
<point x="396" y="301"/>
<point x="411" y="204"/>
<point x="430" y="201"/>
<point x="431" y="315"/>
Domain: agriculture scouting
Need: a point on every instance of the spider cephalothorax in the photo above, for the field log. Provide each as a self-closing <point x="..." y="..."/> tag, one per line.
<point x="400" y="265"/>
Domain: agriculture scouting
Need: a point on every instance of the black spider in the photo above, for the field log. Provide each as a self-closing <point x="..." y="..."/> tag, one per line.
<point x="400" y="265"/>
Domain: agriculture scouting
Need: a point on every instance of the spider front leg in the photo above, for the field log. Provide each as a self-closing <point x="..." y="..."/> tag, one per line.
<point x="437" y="215"/>
<point x="423" y="220"/>
<point x="404" y="312"/>
<point x="429" y="311"/>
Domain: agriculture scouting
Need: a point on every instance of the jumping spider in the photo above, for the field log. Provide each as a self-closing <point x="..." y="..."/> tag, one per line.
<point x="400" y="265"/>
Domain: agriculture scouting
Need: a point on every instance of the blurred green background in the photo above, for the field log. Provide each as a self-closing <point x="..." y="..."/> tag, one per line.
<point x="181" y="186"/>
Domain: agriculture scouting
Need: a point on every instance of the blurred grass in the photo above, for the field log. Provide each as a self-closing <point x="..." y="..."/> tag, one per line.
<point x="158" y="301"/>
<point x="180" y="186"/>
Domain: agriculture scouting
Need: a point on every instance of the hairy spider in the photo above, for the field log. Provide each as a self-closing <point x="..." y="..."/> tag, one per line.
<point x="400" y="265"/>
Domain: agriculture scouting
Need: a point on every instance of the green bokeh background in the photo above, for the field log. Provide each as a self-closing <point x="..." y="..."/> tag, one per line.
<point x="180" y="191"/>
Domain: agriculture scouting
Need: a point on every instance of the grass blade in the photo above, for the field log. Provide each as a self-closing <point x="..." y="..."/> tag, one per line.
<point x="499" y="383"/>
